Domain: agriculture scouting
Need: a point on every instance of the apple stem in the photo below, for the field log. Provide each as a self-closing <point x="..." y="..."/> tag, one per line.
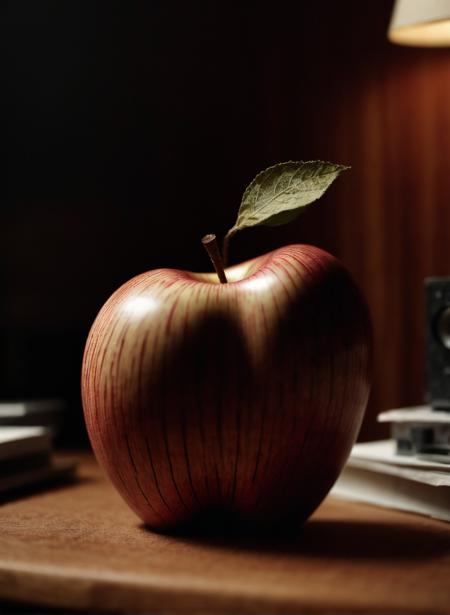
<point x="212" y="247"/>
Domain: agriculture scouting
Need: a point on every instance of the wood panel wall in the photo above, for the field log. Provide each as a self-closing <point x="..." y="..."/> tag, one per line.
<point x="396" y="136"/>
<point x="387" y="114"/>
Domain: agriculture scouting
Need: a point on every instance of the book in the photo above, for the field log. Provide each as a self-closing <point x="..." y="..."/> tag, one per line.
<point x="23" y="441"/>
<point x="41" y="412"/>
<point x="414" y="414"/>
<point x="376" y="474"/>
<point x="421" y="431"/>
<point x="26" y="458"/>
<point x="17" y="409"/>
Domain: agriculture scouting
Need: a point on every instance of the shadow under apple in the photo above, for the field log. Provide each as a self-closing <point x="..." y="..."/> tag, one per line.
<point x="334" y="539"/>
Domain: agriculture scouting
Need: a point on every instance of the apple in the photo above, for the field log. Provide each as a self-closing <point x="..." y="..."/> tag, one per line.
<point x="244" y="397"/>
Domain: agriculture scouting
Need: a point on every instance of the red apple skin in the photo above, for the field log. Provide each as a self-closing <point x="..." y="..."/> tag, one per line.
<point x="243" y="397"/>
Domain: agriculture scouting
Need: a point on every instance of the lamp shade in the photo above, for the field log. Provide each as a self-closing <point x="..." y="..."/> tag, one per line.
<point x="424" y="23"/>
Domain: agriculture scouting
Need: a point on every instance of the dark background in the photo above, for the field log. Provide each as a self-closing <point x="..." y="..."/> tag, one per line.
<point x="132" y="129"/>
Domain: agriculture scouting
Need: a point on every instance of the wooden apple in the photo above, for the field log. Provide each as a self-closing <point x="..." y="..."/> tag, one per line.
<point x="243" y="397"/>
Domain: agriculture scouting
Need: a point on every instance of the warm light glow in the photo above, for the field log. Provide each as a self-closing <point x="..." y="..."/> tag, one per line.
<point x="435" y="34"/>
<point x="258" y="283"/>
<point x="423" y="23"/>
<point x="138" y="306"/>
<point x="237" y="272"/>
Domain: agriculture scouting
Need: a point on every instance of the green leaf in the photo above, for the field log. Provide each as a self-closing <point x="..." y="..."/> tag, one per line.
<point x="277" y="194"/>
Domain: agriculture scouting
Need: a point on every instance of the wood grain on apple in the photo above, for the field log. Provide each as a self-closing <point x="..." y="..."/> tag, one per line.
<point x="243" y="397"/>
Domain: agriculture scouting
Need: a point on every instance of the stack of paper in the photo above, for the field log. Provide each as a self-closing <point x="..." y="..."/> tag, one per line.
<point x="376" y="474"/>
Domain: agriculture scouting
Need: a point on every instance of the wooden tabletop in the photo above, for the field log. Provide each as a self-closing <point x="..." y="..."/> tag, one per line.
<point x="79" y="546"/>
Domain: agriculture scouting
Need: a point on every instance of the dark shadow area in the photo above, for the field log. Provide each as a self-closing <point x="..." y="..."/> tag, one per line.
<point x="52" y="485"/>
<point x="23" y="608"/>
<point x="321" y="539"/>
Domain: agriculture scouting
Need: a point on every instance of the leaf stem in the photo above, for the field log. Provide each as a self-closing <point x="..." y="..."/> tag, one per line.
<point x="226" y="245"/>
<point x="212" y="247"/>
